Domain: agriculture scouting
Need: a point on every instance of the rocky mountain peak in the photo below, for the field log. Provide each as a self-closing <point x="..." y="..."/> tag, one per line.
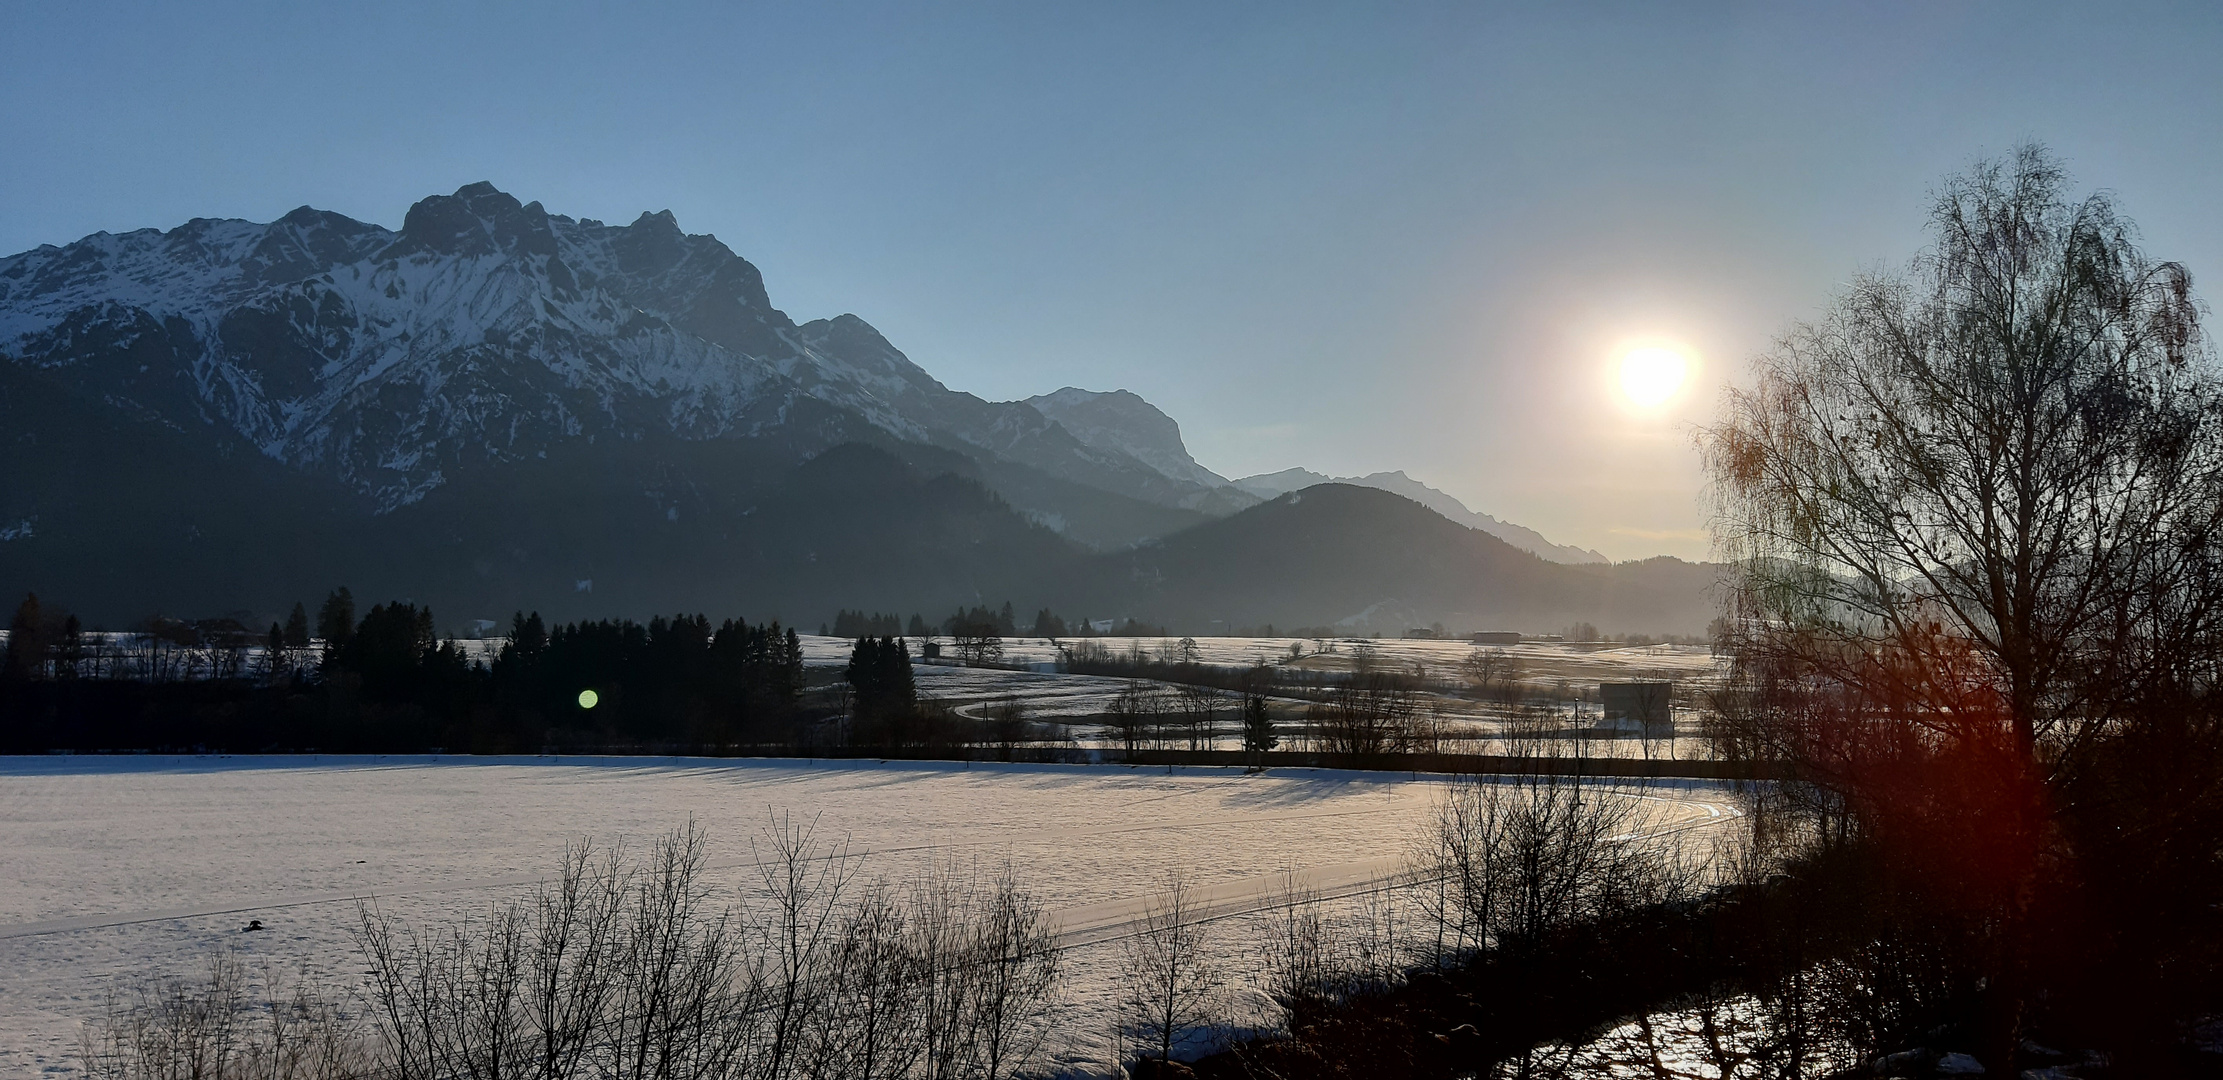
<point x="478" y="219"/>
<point x="660" y="223"/>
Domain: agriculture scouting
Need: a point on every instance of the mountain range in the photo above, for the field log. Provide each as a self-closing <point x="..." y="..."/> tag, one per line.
<point x="495" y="407"/>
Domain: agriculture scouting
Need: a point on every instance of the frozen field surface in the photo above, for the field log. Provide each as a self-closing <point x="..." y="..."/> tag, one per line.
<point x="118" y="868"/>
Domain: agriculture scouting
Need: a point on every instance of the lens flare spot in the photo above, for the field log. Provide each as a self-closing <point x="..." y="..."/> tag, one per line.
<point x="589" y="699"/>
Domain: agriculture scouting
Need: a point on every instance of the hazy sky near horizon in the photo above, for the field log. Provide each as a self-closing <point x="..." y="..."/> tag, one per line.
<point x="1347" y="237"/>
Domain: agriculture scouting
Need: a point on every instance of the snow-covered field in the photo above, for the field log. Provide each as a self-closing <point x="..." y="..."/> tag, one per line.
<point x="116" y="868"/>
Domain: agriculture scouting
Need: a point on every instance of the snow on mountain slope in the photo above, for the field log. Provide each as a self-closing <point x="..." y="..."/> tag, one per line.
<point x="481" y="332"/>
<point x="1270" y="485"/>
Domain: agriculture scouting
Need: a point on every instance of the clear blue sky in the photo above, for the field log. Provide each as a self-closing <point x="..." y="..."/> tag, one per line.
<point x="1351" y="237"/>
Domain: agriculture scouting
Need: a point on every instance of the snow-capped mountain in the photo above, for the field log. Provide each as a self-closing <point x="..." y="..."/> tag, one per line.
<point x="483" y="332"/>
<point x="1270" y="485"/>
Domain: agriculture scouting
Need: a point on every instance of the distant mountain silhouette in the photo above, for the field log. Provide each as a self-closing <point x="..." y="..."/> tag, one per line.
<point x="1366" y="559"/>
<point x="1268" y="485"/>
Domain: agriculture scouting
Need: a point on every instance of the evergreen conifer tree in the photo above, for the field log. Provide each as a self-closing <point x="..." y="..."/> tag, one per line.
<point x="335" y="621"/>
<point x="880" y="676"/>
<point x="69" y="648"/>
<point x="895" y="674"/>
<point x="274" y="650"/>
<point x="297" y="627"/>
<point x="26" y="658"/>
<point x="791" y="665"/>
<point x="528" y="636"/>
<point x="1258" y="723"/>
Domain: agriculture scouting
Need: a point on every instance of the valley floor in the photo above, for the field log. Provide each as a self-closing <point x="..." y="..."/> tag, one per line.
<point x="124" y="867"/>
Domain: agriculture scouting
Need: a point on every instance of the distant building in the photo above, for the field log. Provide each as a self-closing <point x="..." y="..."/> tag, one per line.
<point x="1639" y="705"/>
<point x="1420" y="632"/>
<point x="1497" y="637"/>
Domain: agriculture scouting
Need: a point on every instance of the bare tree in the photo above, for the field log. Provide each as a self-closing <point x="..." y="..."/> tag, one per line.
<point x="1007" y="725"/>
<point x="1494" y="674"/>
<point x="2005" y="464"/>
<point x="675" y="987"/>
<point x="1294" y="965"/>
<point x="1133" y="715"/>
<point x="1187" y="652"/>
<point x="1018" y="969"/>
<point x="574" y="950"/>
<point x="609" y="971"/>
<point x="1170" y="985"/>
<point x="1199" y="705"/>
<point x="871" y="984"/>
<point x="805" y="888"/>
<point x="1374" y="713"/>
<point x="1976" y="515"/>
<point x="944" y="972"/>
<point x="624" y="970"/>
<point x="225" y="1026"/>
<point x="977" y="645"/>
<point x="1525" y="856"/>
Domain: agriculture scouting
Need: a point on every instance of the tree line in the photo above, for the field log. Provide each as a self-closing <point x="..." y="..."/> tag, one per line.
<point x="384" y="681"/>
<point x="979" y="621"/>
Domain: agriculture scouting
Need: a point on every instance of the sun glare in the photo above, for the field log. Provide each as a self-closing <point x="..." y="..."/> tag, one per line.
<point x="1652" y="374"/>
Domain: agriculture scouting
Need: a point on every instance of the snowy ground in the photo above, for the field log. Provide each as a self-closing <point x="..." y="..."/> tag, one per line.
<point x="122" y="867"/>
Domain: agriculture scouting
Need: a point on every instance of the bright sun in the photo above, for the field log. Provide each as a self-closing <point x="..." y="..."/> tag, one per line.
<point x="1650" y="375"/>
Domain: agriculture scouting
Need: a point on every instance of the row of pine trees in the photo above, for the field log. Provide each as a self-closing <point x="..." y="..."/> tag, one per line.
<point x="385" y="681"/>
